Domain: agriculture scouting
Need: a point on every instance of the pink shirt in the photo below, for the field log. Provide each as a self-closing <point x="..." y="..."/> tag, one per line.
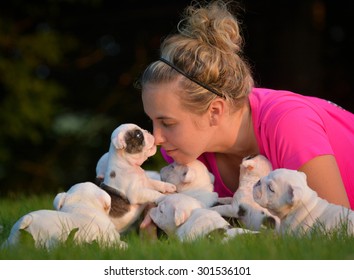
<point x="292" y="129"/>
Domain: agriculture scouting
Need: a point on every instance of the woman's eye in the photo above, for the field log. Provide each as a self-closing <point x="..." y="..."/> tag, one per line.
<point x="167" y="124"/>
<point x="270" y="187"/>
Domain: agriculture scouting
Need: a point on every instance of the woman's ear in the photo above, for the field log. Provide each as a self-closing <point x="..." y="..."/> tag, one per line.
<point x="216" y="111"/>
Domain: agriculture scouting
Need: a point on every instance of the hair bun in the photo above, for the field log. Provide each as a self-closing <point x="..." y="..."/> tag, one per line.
<point x="213" y="25"/>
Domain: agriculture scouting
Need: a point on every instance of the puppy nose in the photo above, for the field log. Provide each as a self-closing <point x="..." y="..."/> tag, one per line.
<point x="269" y="222"/>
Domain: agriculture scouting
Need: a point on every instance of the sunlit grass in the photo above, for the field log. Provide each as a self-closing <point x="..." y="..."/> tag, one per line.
<point x="264" y="246"/>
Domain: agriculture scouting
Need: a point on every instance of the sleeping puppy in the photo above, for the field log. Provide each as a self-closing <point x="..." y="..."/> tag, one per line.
<point x="83" y="207"/>
<point x="286" y="194"/>
<point x="183" y="216"/>
<point x="125" y="180"/>
<point x="192" y="179"/>
<point x="243" y="207"/>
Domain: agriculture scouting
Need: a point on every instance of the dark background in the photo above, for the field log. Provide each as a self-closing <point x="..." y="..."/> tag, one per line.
<point x="67" y="70"/>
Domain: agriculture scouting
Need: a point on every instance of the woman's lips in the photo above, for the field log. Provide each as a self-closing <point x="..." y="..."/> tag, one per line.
<point x="170" y="151"/>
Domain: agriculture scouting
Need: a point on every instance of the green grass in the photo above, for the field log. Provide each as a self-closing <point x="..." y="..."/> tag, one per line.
<point x="264" y="246"/>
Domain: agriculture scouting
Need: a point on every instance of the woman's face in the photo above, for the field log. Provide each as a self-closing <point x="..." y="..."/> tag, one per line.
<point x="183" y="134"/>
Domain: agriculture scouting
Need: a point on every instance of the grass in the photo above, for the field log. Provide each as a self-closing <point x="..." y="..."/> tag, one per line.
<point x="264" y="246"/>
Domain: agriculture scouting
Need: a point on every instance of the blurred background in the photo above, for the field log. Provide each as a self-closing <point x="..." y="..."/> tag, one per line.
<point x="67" y="69"/>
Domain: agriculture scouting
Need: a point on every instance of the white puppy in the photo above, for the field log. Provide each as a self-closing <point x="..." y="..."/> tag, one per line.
<point x="83" y="207"/>
<point x="192" y="179"/>
<point x="183" y="216"/>
<point x="124" y="178"/>
<point x="286" y="194"/>
<point x="101" y="168"/>
<point x="243" y="207"/>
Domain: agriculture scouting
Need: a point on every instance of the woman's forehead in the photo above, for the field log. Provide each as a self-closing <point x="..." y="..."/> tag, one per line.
<point x="162" y="101"/>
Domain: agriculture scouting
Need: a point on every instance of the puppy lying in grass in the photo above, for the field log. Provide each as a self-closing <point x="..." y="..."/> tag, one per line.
<point x="285" y="193"/>
<point x="185" y="217"/>
<point x="83" y="208"/>
<point x="192" y="180"/>
<point x="242" y="205"/>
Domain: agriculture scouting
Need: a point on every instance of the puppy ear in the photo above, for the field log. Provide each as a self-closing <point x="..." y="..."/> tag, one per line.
<point x="118" y="140"/>
<point x="303" y="176"/>
<point x="188" y="176"/>
<point x="248" y="164"/>
<point x="180" y="216"/>
<point x="294" y="194"/>
<point x="59" y="201"/>
<point x="296" y="191"/>
<point x="105" y="201"/>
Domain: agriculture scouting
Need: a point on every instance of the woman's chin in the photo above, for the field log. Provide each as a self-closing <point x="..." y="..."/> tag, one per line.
<point x="180" y="159"/>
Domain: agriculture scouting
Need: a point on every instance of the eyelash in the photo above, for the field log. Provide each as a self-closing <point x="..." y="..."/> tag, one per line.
<point x="167" y="124"/>
<point x="269" y="186"/>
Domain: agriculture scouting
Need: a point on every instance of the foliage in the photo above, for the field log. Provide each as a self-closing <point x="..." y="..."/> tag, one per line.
<point x="61" y="94"/>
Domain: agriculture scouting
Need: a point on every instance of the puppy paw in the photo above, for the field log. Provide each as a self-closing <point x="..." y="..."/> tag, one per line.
<point x="169" y="188"/>
<point x="123" y="245"/>
<point x="224" y="200"/>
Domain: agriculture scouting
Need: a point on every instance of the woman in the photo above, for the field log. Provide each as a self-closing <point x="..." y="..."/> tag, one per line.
<point x="203" y="104"/>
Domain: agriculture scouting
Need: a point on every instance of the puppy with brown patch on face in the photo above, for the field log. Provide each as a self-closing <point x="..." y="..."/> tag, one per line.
<point x="192" y="179"/>
<point x="125" y="180"/>
<point x="242" y="205"/>
<point x="84" y="207"/>
<point x="285" y="193"/>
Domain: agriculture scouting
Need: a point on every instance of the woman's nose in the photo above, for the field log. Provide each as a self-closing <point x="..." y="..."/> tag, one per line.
<point x="159" y="139"/>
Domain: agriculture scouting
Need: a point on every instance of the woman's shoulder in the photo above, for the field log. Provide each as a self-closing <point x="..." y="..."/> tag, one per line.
<point x="269" y="102"/>
<point x="272" y="97"/>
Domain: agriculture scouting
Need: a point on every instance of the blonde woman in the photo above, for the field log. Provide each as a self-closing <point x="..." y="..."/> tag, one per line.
<point x="201" y="98"/>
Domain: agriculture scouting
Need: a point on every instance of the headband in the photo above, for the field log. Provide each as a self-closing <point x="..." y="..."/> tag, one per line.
<point x="191" y="78"/>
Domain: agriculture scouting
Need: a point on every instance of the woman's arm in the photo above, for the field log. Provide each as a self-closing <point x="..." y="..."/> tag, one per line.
<point x="323" y="176"/>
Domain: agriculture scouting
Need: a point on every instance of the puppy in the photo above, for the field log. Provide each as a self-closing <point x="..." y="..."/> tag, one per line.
<point x="286" y="194"/>
<point x="101" y="168"/>
<point x="243" y="207"/>
<point x="125" y="180"/>
<point x="192" y="179"/>
<point x="83" y="207"/>
<point x="183" y="216"/>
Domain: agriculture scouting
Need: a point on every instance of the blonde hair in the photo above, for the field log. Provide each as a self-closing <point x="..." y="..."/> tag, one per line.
<point x="208" y="47"/>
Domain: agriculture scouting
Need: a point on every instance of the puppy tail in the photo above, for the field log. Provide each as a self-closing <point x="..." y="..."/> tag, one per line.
<point x="15" y="232"/>
<point x="25" y="221"/>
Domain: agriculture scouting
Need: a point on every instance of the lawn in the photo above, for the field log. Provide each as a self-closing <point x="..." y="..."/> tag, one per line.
<point x="264" y="246"/>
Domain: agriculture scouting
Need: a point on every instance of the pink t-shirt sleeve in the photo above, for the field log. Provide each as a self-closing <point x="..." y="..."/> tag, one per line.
<point x="294" y="137"/>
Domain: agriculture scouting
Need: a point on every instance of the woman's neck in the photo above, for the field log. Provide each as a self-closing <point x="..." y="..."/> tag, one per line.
<point x="237" y="140"/>
<point x="237" y="135"/>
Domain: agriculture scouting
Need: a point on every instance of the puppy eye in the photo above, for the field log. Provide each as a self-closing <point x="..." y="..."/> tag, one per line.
<point x="138" y="134"/>
<point x="258" y="183"/>
<point x="270" y="187"/>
